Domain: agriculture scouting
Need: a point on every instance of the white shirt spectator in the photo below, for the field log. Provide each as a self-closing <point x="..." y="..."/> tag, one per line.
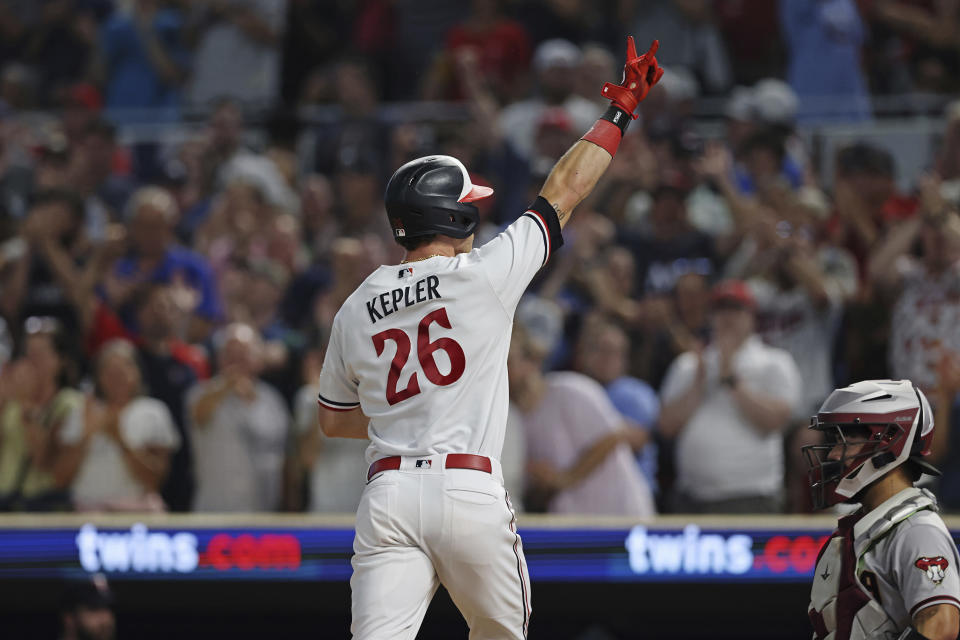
<point x="574" y="413"/>
<point x="104" y="476"/>
<point x="719" y="454"/>
<point x="340" y="471"/>
<point x="229" y="63"/>
<point x="239" y="454"/>
<point x="789" y="319"/>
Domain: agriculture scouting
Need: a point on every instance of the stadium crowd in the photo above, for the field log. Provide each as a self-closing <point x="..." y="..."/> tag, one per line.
<point x="169" y="270"/>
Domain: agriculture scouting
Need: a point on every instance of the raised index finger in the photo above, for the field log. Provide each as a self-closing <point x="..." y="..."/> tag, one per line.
<point x="631" y="48"/>
<point x="653" y="48"/>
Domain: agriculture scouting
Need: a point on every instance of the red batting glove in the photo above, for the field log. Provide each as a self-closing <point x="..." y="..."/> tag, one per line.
<point x="640" y="73"/>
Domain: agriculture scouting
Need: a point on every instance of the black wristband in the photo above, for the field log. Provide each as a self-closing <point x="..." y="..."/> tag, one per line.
<point x="617" y="116"/>
<point x="910" y="633"/>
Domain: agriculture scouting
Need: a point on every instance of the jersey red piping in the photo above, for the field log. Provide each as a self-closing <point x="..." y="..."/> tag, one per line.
<point x="545" y="230"/>
<point x="941" y="599"/>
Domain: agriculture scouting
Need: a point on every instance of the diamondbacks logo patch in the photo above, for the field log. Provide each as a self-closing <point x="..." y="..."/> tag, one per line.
<point x="935" y="567"/>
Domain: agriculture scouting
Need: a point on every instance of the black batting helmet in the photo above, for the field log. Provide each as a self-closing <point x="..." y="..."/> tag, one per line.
<point x="433" y="195"/>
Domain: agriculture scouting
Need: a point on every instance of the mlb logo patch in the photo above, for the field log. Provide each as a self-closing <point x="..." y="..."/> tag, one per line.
<point x="405" y="272"/>
<point x="424" y="464"/>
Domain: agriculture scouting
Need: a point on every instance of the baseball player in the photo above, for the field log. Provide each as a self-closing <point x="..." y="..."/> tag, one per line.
<point x="890" y="569"/>
<point x="417" y="363"/>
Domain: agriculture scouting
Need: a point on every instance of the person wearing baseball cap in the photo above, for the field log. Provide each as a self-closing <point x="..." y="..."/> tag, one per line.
<point x="726" y="406"/>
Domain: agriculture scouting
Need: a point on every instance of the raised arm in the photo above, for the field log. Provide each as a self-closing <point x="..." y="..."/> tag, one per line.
<point x="577" y="172"/>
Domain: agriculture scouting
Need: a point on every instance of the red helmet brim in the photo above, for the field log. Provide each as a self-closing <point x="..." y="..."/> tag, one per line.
<point x="476" y="192"/>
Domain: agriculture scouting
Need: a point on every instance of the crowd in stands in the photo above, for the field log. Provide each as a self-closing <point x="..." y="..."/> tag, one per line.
<point x="165" y="300"/>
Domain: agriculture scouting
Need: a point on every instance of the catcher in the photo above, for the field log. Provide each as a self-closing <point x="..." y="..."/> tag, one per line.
<point x="890" y="569"/>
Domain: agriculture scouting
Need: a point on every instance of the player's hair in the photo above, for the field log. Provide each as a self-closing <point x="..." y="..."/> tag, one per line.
<point x="416" y="242"/>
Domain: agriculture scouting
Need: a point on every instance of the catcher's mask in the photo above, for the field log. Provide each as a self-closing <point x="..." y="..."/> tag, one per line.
<point x="869" y="428"/>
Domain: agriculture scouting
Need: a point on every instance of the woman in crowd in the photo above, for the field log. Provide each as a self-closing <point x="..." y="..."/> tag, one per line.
<point x="116" y="447"/>
<point x="37" y="397"/>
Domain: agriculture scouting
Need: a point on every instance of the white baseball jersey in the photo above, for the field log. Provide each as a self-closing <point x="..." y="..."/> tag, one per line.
<point x="879" y="569"/>
<point x="422" y="347"/>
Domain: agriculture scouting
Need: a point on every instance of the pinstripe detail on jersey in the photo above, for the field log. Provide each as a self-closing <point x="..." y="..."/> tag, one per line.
<point x="337" y="406"/>
<point x="523" y="582"/>
<point x="542" y="225"/>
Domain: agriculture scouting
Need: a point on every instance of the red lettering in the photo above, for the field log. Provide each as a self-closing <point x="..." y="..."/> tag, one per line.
<point x="775" y="553"/>
<point x="247" y="552"/>
<point x="803" y="554"/>
<point x="281" y="552"/>
<point x="217" y="555"/>
<point x="244" y="552"/>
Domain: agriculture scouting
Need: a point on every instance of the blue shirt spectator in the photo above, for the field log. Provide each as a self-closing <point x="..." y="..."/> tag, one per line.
<point x="144" y="61"/>
<point x="638" y="402"/>
<point x="823" y="40"/>
<point x="155" y="258"/>
<point x="179" y="266"/>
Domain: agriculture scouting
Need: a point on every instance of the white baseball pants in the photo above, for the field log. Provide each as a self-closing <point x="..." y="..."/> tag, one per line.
<point x="420" y="526"/>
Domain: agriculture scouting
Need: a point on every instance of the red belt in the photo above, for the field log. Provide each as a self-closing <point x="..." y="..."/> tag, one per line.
<point x="453" y="461"/>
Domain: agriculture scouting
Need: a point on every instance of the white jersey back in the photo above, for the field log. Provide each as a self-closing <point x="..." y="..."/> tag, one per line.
<point x="422" y="347"/>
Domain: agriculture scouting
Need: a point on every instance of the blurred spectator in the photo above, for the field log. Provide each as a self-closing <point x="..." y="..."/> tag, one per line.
<point x="335" y="465"/>
<point x="204" y="161"/>
<point x="94" y="173"/>
<point x="800" y="290"/>
<point x="314" y="37"/>
<point x="554" y="63"/>
<point x="155" y="257"/>
<point x="116" y="447"/>
<point x="914" y="45"/>
<point x="924" y="290"/>
<point x="86" y="611"/>
<point x="866" y="200"/>
<point x="142" y="62"/>
<point x="357" y="186"/>
<point x="237" y="51"/>
<point x="727" y="406"/>
<point x="320" y="226"/>
<point x="37" y="400"/>
<point x="603" y="352"/>
<point x="867" y="206"/>
<point x="578" y="21"/>
<point x="239" y="426"/>
<point x="48" y="262"/>
<point x="668" y="246"/>
<point x="15" y="18"/>
<point x="170" y="368"/>
<point x="752" y="57"/>
<point x="579" y="449"/>
<point x="59" y="46"/>
<point x="82" y="106"/>
<point x="502" y="49"/>
<point x="597" y="62"/>
<point x="823" y="39"/>
<point x="674" y="325"/>
<point x="687" y="29"/>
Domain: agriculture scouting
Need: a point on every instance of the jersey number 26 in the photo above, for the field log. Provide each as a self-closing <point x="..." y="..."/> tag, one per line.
<point x="425" y="351"/>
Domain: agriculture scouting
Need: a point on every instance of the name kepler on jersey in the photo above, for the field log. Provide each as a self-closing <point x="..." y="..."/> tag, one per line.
<point x="387" y="302"/>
